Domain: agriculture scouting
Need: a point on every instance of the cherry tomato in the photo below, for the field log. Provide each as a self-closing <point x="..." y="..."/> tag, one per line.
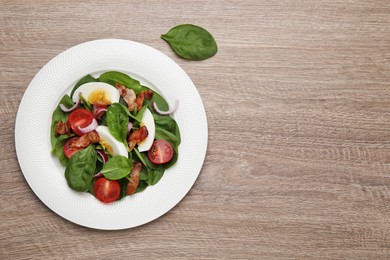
<point x="80" y="117"/>
<point x="160" y="152"/>
<point x="69" y="151"/>
<point x="106" y="190"/>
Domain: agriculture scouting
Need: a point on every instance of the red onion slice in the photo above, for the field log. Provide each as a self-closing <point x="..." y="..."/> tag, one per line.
<point x="169" y="111"/>
<point x="103" y="155"/>
<point x="129" y="126"/>
<point x="98" y="175"/>
<point x="65" y="109"/>
<point x="89" y="128"/>
<point x="99" y="110"/>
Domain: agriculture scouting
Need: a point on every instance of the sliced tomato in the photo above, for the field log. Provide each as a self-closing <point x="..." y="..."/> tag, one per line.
<point x="160" y="152"/>
<point x="106" y="190"/>
<point x="80" y="117"/>
<point x="68" y="150"/>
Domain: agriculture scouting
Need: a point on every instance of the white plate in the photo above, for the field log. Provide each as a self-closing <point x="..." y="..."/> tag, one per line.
<point x="44" y="173"/>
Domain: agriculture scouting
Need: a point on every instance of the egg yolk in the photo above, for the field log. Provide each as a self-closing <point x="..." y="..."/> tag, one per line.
<point x="106" y="145"/>
<point x="99" y="95"/>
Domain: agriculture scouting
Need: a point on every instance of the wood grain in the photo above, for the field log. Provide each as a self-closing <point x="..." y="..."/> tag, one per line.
<point x="298" y="105"/>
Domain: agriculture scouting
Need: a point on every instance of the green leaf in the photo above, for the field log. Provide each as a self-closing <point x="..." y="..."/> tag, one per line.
<point x="117" y="168"/>
<point x="191" y="42"/>
<point x="59" y="115"/>
<point x="169" y="124"/>
<point x="164" y="134"/>
<point x="142" y="185"/>
<point x="154" y="176"/>
<point x="80" y="169"/>
<point x="85" y="103"/>
<point x="117" y="122"/>
<point x="87" y="78"/>
<point x="112" y="77"/>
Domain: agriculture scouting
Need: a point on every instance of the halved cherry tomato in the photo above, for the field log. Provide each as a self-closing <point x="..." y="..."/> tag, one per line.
<point x="80" y="117"/>
<point x="160" y="152"/>
<point x="106" y="190"/>
<point x="69" y="151"/>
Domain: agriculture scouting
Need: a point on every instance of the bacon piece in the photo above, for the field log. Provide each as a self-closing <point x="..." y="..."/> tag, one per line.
<point x="148" y="94"/>
<point x="99" y="109"/>
<point x="128" y="96"/>
<point x="141" y="96"/>
<point x="85" y="140"/>
<point x="62" y="128"/>
<point x="134" y="177"/>
<point x="137" y="137"/>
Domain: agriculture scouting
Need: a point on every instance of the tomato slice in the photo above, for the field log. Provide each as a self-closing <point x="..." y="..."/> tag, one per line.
<point x="160" y="152"/>
<point x="106" y="190"/>
<point x="80" y="117"/>
<point x="69" y="151"/>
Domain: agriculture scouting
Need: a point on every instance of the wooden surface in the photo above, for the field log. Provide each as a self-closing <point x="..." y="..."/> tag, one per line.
<point x="298" y="107"/>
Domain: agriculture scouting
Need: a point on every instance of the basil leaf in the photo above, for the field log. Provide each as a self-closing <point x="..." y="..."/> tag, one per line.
<point x="112" y="77"/>
<point x="191" y="42"/>
<point x="87" y="78"/>
<point x="80" y="169"/>
<point x="117" y="168"/>
<point x="117" y="122"/>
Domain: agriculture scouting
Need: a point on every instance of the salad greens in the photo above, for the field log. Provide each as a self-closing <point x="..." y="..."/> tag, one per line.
<point x="117" y="122"/>
<point x="191" y="42"/>
<point x="80" y="169"/>
<point x="117" y="168"/>
<point x="85" y="165"/>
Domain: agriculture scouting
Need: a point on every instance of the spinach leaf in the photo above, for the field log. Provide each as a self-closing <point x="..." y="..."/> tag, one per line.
<point x="87" y="78"/>
<point x="142" y="185"/>
<point x="154" y="176"/>
<point x="80" y="169"/>
<point x="111" y="77"/>
<point x="58" y="149"/>
<point x="117" y="168"/>
<point x="169" y="124"/>
<point x="191" y="42"/>
<point x="117" y="121"/>
<point x="86" y="104"/>
<point x="59" y="115"/>
<point x="164" y="134"/>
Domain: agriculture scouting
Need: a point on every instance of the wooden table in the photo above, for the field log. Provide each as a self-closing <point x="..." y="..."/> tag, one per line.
<point x="298" y="106"/>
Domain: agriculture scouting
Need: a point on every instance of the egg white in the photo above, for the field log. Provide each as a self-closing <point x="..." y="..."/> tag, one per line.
<point x="118" y="148"/>
<point x="148" y="121"/>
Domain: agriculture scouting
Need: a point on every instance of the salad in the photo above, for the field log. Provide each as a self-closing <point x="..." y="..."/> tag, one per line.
<point x="114" y="136"/>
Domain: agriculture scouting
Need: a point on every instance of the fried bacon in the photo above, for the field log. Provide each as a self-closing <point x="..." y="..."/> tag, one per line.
<point x="85" y="140"/>
<point x="99" y="109"/>
<point x="128" y="96"/>
<point x="141" y="96"/>
<point x="62" y="128"/>
<point x="137" y="137"/>
<point x="134" y="177"/>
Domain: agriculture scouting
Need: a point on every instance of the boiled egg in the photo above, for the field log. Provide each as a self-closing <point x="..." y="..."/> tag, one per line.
<point x="97" y="92"/>
<point x="113" y="146"/>
<point x="148" y="121"/>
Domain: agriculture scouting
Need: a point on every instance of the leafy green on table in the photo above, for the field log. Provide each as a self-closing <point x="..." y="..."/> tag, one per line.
<point x="191" y="42"/>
